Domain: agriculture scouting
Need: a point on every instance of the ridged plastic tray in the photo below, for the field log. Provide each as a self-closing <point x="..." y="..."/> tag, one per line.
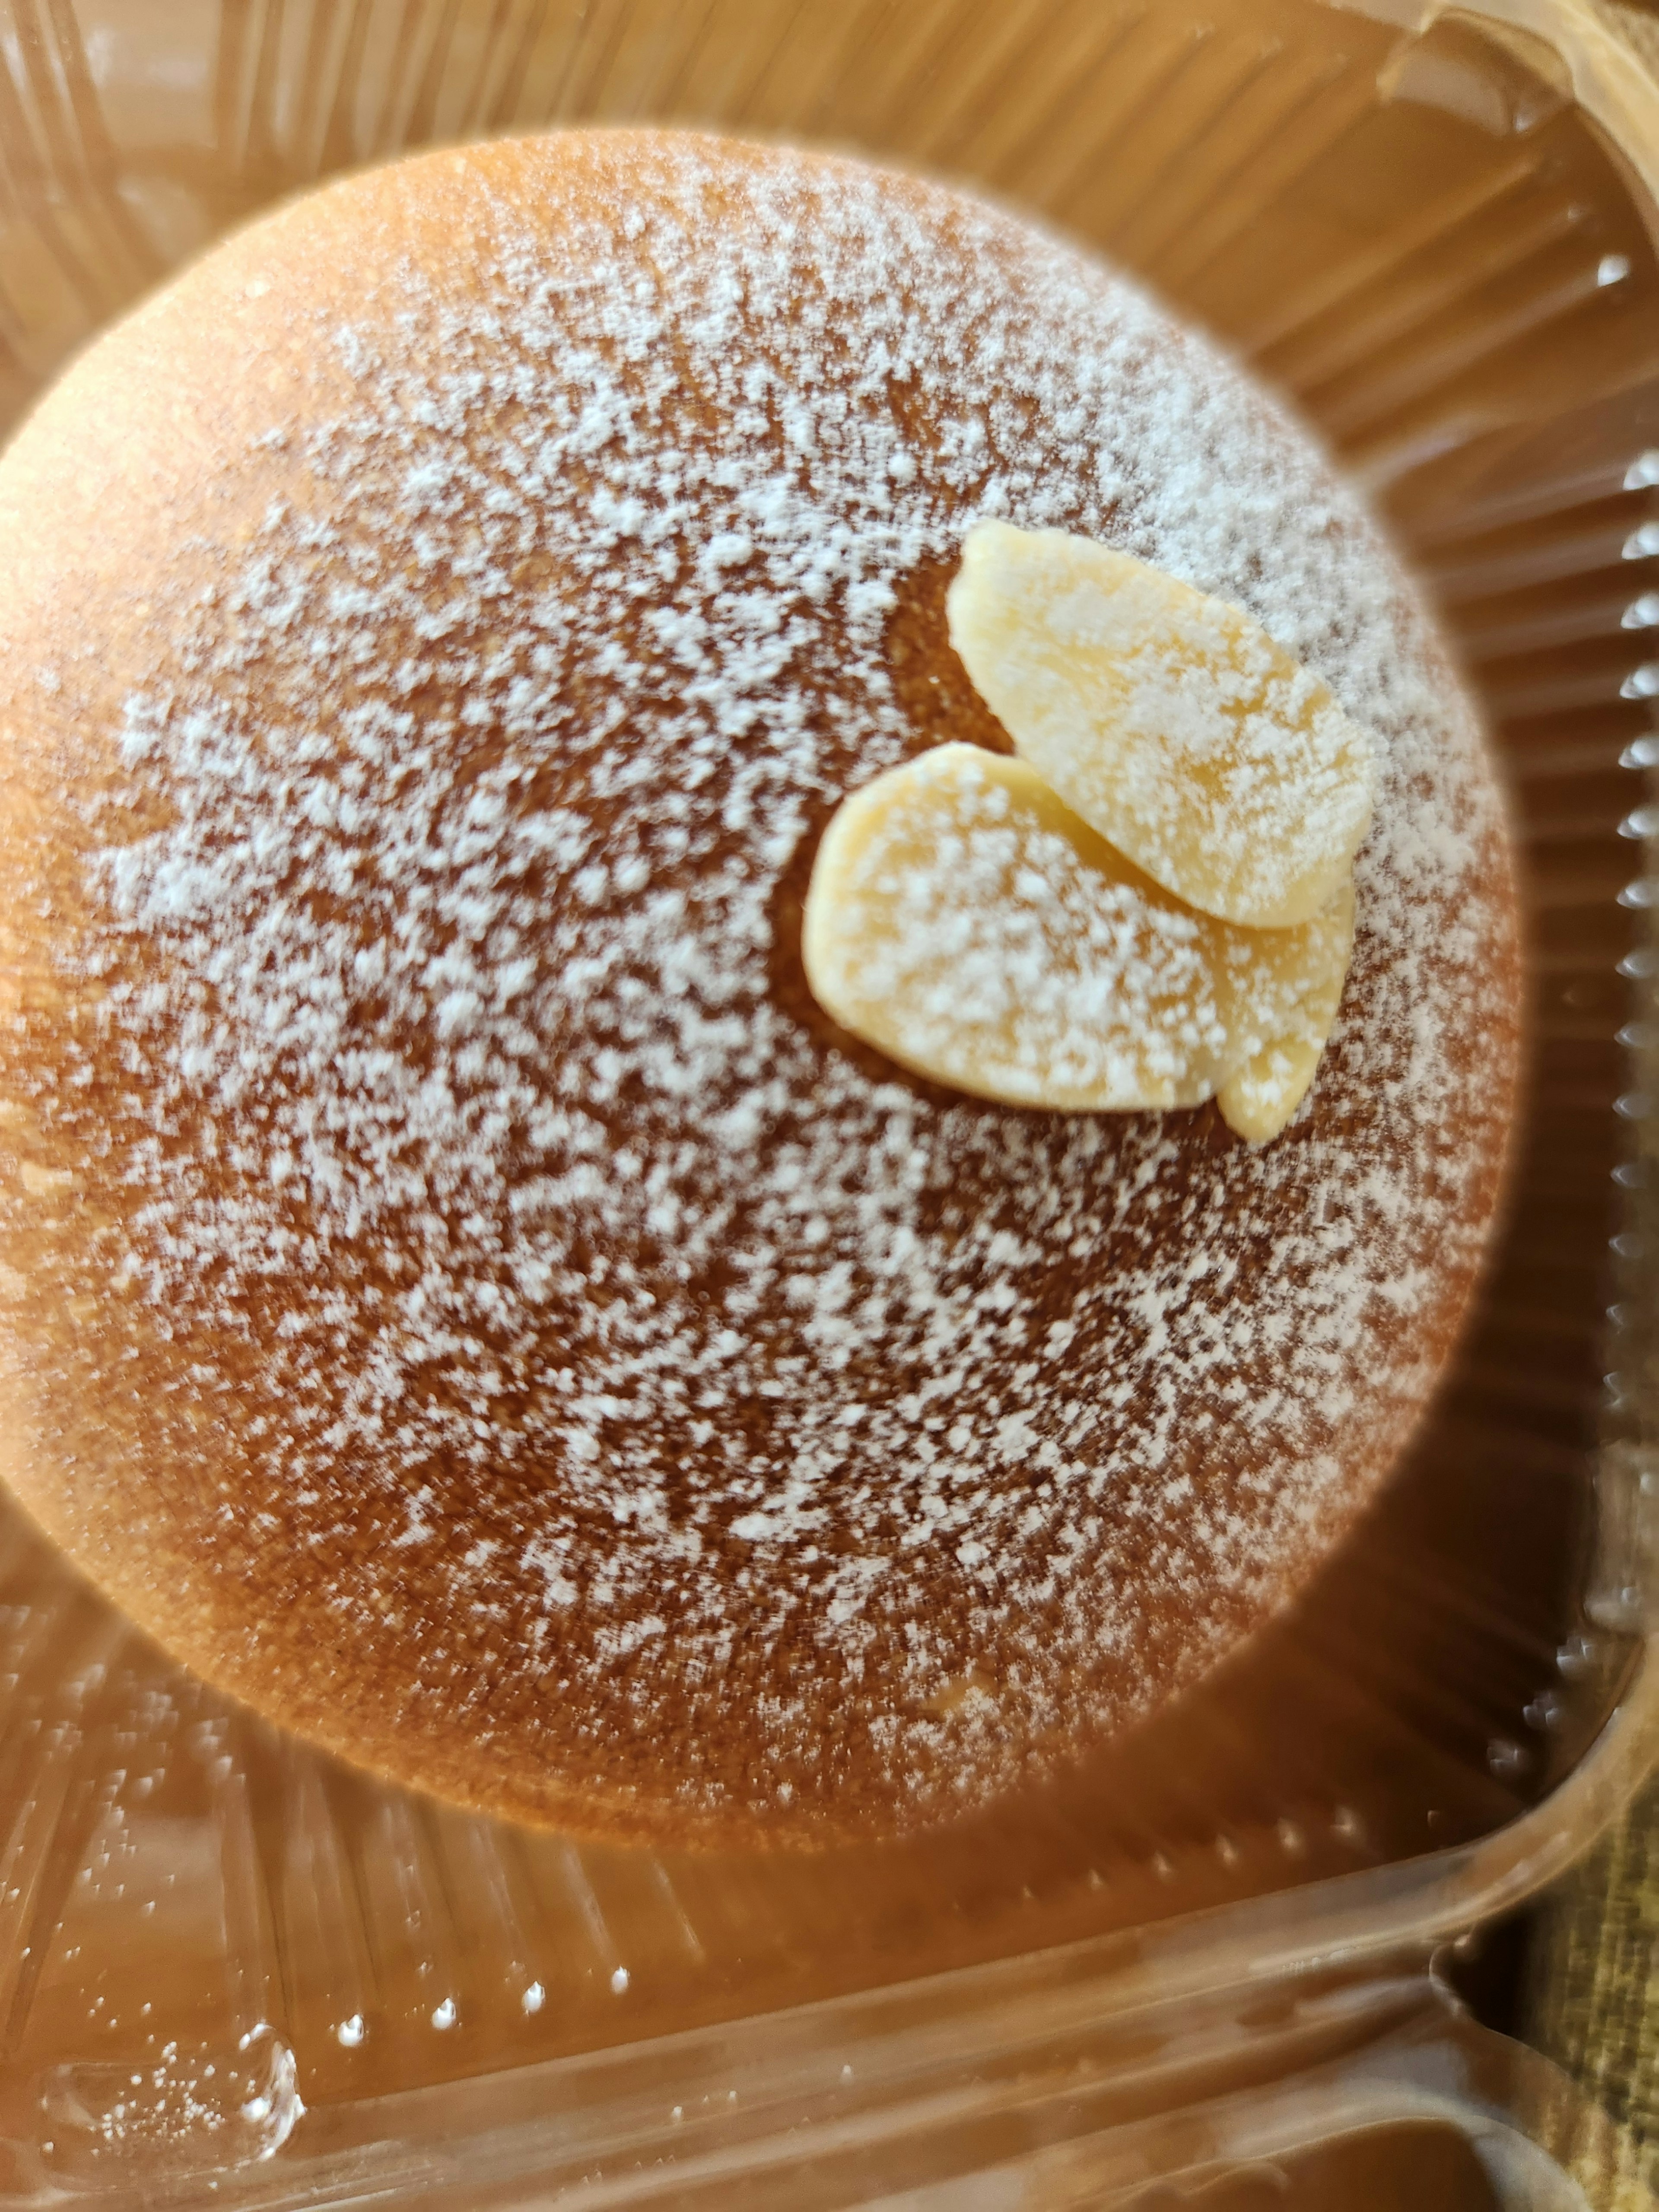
<point x="233" y="1972"/>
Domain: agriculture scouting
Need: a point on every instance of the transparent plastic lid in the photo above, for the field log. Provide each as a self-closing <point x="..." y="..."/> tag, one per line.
<point x="232" y="1972"/>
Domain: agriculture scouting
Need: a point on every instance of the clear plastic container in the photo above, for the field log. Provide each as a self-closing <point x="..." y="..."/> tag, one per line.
<point x="232" y="1972"/>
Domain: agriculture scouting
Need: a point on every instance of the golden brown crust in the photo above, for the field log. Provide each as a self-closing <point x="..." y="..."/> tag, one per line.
<point x="622" y="1401"/>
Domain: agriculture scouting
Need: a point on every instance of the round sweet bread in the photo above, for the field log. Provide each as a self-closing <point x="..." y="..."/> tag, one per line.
<point x="459" y="1291"/>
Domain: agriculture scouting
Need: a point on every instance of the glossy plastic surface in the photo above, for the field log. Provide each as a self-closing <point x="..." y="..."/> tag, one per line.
<point x="231" y="1972"/>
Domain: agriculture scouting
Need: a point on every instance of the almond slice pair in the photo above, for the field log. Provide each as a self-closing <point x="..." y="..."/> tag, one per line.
<point x="965" y="921"/>
<point x="1153" y="905"/>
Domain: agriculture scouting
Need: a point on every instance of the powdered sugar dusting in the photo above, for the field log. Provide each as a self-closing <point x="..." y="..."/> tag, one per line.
<point x="714" y="1395"/>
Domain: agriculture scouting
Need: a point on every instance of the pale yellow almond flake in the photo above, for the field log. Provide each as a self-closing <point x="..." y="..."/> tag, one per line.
<point x="964" y="921"/>
<point x="1281" y="1001"/>
<point x="1170" y="721"/>
<point x="1258" y="1102"/>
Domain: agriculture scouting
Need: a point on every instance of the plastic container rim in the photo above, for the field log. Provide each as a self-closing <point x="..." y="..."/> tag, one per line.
<point x="1353" y="1922"/>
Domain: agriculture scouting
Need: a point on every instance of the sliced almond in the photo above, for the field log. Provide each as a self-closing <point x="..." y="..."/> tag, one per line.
<point x="965" y="921"/>
<point x="1257" y="1101"/>
<point x="1170" y="721"/>
<point x="962" y="919"/>
<point x="1279" y="990"/>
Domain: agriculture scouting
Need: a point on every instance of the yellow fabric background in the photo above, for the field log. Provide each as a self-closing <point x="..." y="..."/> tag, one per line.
<point x="1594" y="1999"/>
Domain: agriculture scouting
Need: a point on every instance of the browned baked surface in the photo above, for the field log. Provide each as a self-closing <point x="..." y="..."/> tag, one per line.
<point x="455" y="1288"/>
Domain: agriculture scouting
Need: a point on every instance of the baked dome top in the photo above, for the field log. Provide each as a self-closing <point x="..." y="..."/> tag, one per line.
<point x="459" y="1291"/>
